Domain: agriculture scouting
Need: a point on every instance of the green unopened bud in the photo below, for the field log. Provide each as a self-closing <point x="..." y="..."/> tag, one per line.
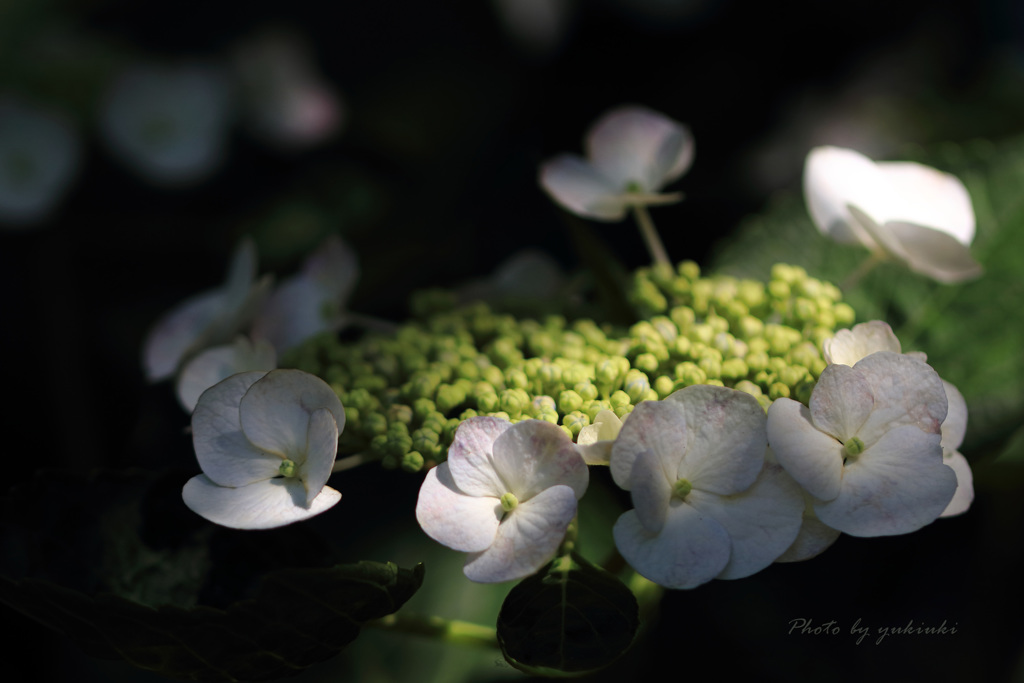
<point x="690" y="373"/>
<point x="778" y="390"/>
<point x="576" y="421"/>
<point x="569" y="401"/>
<point x="637" y="384"/>
<point x="734" y="368"/>
<point x="288" y="468"/>
<point x="619" y="398"/>
<point x="664" y="386"/>
<point x="853" y="447"/>
<point x="586" y="390"/>
<point x="748" y="387"/>
<point x="412" y="462"/>
<point x="681" y="488"/>
<point x="646" y="362"/>
<point x="689" y="270"/>
<point x="844" y="314"/>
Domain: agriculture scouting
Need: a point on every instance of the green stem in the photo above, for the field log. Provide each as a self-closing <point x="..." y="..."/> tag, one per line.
<point x="648" y="595"/>
<point x="447" y="630"/>
<point x="865" y="267"/>
<point x="353" y="461"/>
<point x="650" y="235"/>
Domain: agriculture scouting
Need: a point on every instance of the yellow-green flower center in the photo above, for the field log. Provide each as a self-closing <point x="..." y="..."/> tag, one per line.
<point x="509" y="502"/>
<point x="853" y="447"/>
<point x="288" y="468"/>
<point x="681" y="489"/>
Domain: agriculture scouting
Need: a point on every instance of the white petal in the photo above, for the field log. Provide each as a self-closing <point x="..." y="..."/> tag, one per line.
<point x="906" y="391"/>
<point x="841" y="402"/>
<point x="582" y="189"/>
<point x="527" y="538"/>
<point x="656" y="426"/>
<point x="275" y="411"/>
<point x="834" y="178"/>
<point x="814" y="538"/>
<point x="691" y="549"/>
<point x="849" y="346"/>
<point x="176" y="333"/>
<point x="321" y="450"/>
<point x="929" y="197"/>
<point x="452" y="518"/>
<point x="879" y="232"/>
<point x="651" y="492"/>
<point x="471" y="459"/>
<point x="934" y="253"/>
<point x="595" y="441"/>
<point x="964" y="495"/>
<point x="762" y="522"/>
<point x="224" y="454"/>
<point x="632" y="144"/>
<point x="220" y="362"/>
<point x="534" y="455"/>
<point x="954" y="427"/>
<point x="725" y="435"/>
<point x="896" y="486"/>
<point x="262" y="505"/>
<point x="813" y="458"/>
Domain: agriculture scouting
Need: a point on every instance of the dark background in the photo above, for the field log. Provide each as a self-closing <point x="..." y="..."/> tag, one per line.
<point x="433" y="181"/>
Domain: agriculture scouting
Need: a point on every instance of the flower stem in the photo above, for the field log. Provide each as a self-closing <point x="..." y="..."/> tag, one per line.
<point x="352" y="461"/>
<point x="447" y="630"/>
<point x="648" y="595"/>
<point x="650" y="235"/>
<point x="865" y="267"/>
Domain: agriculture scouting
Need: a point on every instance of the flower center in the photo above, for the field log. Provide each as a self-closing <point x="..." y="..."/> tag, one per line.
<point x="681" y="489"/>
<point x="288" y="468"/>
<point x="853" y="447"/>
<point x="509" y="502"/>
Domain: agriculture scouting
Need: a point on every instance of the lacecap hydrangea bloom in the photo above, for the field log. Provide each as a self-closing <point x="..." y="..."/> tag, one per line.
<point x="266" y="442"/>
<point x="505" y="495"/>
<point x="868" y="448"/>
<point x="632" y="153"/>
<point x="907" y="212"/>
<point x="707" y="503"/>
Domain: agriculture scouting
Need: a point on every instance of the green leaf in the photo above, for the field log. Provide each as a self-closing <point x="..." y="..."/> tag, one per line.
<point x="569" y="619"/>
<point x="298" y="617"/>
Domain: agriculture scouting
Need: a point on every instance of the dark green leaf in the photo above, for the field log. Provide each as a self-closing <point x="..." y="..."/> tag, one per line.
<point x="568" y="619"/>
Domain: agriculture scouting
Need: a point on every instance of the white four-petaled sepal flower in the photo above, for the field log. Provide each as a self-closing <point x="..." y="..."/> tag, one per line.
<point x="595" y="441"/>
<point x="505" y="495"/>
<point x="912" y="213"/>
<point x="707" y="504"/>
<point x="953" y="429"/>
<point x="313" y="300"/>
<point x="868" y="448"/>
<point x="220" y="362"/>
<point x="266" y="442"/>
<point x="632" y="152"/>
<point x="206" y="319"/>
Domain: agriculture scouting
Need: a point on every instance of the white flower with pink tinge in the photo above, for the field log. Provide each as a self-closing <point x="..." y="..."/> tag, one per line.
<point x="632" y="153"/>
<point x="266" y="442"/>
<point x="506" y="496"/>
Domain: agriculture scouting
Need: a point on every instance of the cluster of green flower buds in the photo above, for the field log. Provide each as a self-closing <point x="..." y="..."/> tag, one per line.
<point x="405" y="394"/>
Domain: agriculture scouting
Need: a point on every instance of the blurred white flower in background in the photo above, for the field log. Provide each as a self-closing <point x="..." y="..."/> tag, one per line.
<point x="285" y="102"/>
<point x="39" y="155"/>
<point x="904" y="211"/>
<point x="169" y="123"/>
<point x="537" y="26"/>
<point x="313" y="300"/>
<point x="206" y="319"/>
<point x="632" y="152"/>
<point x="266" y="442"/>
<point x="210" y="366"/>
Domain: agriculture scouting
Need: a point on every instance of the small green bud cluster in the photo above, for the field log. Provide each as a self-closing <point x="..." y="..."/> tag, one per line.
<point x="405" y="394"/>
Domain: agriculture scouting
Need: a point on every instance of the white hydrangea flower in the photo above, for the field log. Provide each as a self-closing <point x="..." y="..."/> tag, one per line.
<point x="850" y="346"/>
<point x="207" y="319"/>
<point x="286" y="102"/>
<point x="632" y="152"/>
<point x="707" y="503"/>
<point x="506" y="496"/>
<point x="868" y="449"/>
<point x="210" y="366"/>
<point x="954" y="427"/>
<point x="912" y="213"/>
<point x="39" y="154"/>
<point x="313" y="300"/>
<point x="595" y="441"/>
<point x="168" y="122"/>
<point x="815" y="536"/>
<point x="266" y="442"/>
